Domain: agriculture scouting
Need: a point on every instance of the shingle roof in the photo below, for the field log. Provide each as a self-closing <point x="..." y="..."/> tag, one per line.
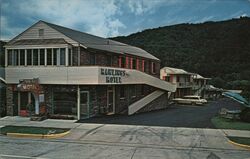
<point x="99" y="43"/>
<point x="170" y="70"/>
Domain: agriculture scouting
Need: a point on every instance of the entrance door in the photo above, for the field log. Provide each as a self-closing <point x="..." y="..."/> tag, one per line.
<point x="84" y="104"/>
<point x="111" y="100"/>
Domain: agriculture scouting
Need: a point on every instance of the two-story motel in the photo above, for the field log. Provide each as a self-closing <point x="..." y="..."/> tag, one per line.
<point x="68" y="72"/>
<point x="181" y="78"/>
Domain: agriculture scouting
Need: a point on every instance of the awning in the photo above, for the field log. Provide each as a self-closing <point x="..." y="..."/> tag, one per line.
<point x="237" y="97"/>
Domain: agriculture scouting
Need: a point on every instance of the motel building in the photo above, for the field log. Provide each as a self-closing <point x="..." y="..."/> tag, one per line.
<point x="179" y="77"/>
<point x="70" y="73"/>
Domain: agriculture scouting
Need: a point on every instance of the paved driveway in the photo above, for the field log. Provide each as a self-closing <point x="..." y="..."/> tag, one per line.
<point x="175" y="116"/>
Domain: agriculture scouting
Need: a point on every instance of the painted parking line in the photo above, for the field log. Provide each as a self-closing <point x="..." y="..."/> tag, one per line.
<point x="23" y="157"/>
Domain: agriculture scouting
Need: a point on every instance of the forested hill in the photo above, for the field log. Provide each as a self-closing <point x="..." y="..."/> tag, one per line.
<point x="220" y="50"/>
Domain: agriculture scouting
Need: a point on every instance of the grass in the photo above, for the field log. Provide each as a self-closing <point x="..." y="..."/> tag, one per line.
<point x="222" y="123"/>
<point x="240" y="140"/>
<point x="31" y="130"/>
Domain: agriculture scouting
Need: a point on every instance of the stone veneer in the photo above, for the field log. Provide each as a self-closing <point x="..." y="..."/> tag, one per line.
<point x="9" y="101"/>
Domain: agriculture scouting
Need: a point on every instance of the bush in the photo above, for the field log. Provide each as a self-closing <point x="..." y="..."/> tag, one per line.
<point x="245" y="115"/>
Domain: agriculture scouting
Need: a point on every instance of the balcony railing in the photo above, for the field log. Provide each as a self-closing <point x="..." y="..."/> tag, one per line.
<point x="184" y="84"/>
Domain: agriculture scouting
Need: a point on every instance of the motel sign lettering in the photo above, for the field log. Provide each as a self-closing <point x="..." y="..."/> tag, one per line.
<point x="113" y="75"/>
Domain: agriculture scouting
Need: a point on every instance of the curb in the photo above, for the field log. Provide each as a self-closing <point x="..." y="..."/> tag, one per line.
<point x="39" y="136"/>
<point x="237" y="144"/>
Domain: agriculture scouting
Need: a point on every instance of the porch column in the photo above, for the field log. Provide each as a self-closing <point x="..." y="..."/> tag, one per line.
<point x="78" y="103"/>
<point x="67" y="56"/>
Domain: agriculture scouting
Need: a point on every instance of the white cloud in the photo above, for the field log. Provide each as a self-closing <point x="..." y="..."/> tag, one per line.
<point x="139" y="7"/>
<point x="96" y="17"/>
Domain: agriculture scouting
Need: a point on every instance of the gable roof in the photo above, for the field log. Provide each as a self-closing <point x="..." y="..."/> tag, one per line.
<point x="99" y="43"/>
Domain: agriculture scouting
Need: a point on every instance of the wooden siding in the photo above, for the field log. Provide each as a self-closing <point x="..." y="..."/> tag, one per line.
<point x="49" y="33"/>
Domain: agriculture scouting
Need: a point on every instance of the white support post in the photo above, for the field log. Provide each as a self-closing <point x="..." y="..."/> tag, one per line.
<point x="67" y="56"/>
<point x="38" y="57"/>
<point x="58" y="51"/>
<point x="45" y="57"/>
<point x="25" y="57"/>
<point x="18" y="102"/>
<point x="78" y="103"/>
<point x="18" y="55"/>
<point x="79" y="55"/>
<point x="52" y="53"/>
<point x="6" y="57"/>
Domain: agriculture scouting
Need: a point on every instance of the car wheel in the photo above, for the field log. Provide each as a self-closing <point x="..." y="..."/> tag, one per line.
<point x="192" y="103"/>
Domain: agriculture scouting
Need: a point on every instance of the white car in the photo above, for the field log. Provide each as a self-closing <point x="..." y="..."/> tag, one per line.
<point x="193" y="100"/>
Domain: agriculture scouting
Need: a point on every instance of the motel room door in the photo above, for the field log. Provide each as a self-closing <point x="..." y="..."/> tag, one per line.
<point x="84" y="104"/>
<point x="111" y="100"/>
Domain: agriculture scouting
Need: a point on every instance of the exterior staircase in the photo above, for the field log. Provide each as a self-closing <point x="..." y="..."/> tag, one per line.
<point x="144" y="101"/>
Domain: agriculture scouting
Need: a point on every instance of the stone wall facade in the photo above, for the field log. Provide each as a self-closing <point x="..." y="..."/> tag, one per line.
<point x="9" y="101"/>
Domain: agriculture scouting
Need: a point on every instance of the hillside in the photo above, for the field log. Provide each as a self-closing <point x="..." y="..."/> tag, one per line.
<point x="220" y="50"/>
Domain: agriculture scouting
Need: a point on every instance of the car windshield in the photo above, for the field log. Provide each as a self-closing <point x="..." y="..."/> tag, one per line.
<point x="191" y="97"/>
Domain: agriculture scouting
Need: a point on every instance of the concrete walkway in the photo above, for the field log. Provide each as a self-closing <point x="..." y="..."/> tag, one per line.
<point x="129" y="140"/>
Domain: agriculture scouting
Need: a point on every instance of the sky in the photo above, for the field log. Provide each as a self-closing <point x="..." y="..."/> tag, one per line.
<point x="110" y="18"/>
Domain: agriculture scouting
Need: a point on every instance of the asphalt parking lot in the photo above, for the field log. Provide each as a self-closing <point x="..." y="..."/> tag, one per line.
<point x="174" y="116"/>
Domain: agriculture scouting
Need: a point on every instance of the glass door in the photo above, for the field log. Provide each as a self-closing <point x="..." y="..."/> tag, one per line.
<point x="111" y="100"/>
<point x="84" y="104"/>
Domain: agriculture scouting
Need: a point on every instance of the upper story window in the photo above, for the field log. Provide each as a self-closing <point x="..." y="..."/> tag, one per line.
<point x="62" y="56"/>
<point x="92" y="59"/>
<point x="29" y="57"/>
<point x="177" y="78"/>
<point x="49" y="57"/>
<point x="109" y="60"/>
<point x="122" y="61"/>
<point x="41" y="32"/>
<point x="36" y="57"/>
<point x="41" y="57"/>
<point x="153" y="69"/>
<point x="22" y="57"/>
<point x="134" y="63"/>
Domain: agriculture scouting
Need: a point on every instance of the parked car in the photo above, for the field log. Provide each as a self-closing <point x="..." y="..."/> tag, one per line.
<point x="191" y="99"/>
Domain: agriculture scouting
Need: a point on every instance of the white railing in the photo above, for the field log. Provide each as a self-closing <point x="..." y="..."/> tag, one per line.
<point x="144" y="101"/>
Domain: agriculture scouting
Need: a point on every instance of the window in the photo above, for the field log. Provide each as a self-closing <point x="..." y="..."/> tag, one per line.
<point x="49" y="56"/>
<point x="137" y="64"/>
<point x="70" y="57"/>
<point x="122" y="92"/>
<point x="109" y="60"/>
<point x="35" y="57"/>
<point x="22" y="57"/>
<point x="123" y="62"/>
<point x="145" y="66"/>
<point x="41" y="32"/>
<point x="177" y="78"/>
<point x="167" y="78"/>
<point x="10" y="58"/>
<point x="15" y="58"/>
<point x="42" y="54"/>
<point x="62" y="56"/>
<point x="134" y="63"/>
<point x="29" y="57"/>
<point x="55" y="56"/>
<point x="153" y="67"/>
<point x="92" y="59"/>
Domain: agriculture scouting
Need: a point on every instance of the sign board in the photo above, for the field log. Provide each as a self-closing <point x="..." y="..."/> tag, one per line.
<point x="29" y="85"/>
<point x="113" y="75"/>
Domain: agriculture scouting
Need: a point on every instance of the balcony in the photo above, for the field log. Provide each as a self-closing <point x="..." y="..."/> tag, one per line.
<point x="85" y="75"/>
<point x="184" y="84"/>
